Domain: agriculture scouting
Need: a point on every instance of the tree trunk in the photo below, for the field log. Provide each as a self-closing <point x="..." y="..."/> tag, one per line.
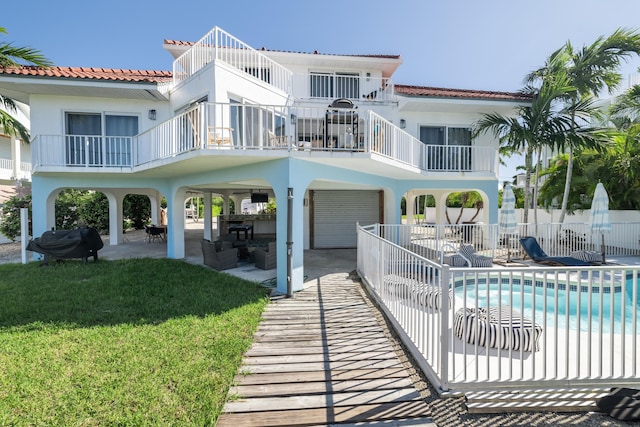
<point x="567" y="186"/>
<point x="463" y="197"/>
<point x="527" y="183"/>
<point x="536" y="183"/>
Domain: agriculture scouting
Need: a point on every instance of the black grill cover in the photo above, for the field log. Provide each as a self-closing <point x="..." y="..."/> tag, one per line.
<point x="79" y="243"/>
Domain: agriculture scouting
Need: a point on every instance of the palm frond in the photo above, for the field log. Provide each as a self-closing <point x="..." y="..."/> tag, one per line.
<point x="11" y="56"/>
<point x="11" y="126"/>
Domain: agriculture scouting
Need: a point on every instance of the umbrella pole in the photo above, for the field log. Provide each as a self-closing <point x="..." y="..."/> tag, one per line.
<point x="602" y="248"/>
<point x="508" y="247"/>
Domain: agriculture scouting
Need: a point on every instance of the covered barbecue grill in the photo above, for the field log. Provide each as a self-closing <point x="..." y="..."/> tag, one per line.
<point x="62" y="244"/>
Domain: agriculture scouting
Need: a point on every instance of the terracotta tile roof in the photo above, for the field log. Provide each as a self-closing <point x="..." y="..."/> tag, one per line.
<point x="178" y="42"/>
<point x="315" y="52"/>
<point x="436" y="92"/>
<point x="146" y="76"/>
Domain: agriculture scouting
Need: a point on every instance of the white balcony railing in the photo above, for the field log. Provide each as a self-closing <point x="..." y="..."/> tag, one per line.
<point x="219" y="127"/>
<point x="331" y="86"/>
<point x="6" y="164"/>
<point x="82" y="151"/>
<point x="8" y="172"/>
<point x="222" y="46"/>
<point x="584" y="319"/>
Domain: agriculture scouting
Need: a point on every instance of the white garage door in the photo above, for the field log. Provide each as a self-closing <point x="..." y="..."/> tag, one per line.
<point x="335" y="214"/>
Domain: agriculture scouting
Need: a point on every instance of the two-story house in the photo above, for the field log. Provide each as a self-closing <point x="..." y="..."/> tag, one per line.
<point x="332" y="137"/>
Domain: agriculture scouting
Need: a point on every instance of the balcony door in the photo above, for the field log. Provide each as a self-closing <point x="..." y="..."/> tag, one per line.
<point x="446" y="148"/>
<point x="257" y="126"/>
<point x="96" y="139"/>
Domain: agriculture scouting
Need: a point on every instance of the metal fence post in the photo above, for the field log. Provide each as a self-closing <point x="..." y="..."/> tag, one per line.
<point x="444" y="327"/>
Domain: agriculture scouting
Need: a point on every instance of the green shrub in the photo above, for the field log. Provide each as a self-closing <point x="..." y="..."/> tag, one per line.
<point x="137" y="209"/>
<point x="10" y="221"/>
<point x="93" y="210"/>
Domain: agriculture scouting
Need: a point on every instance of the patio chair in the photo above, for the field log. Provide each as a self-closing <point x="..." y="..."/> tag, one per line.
<point x="219" y="255"/>
<point x="266" y="258"/>
<point x="154" y="233"/>
<point x="534" y="251"/>
<point x="220" y="137"/>
<point x="467" y="252"/>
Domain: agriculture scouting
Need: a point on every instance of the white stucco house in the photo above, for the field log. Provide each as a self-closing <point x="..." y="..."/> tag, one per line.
<point x="333" y="134"/>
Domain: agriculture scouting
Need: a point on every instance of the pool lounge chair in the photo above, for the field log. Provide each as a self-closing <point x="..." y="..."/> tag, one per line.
<point x="535" y="252"/>
<point x="467" y="256"/>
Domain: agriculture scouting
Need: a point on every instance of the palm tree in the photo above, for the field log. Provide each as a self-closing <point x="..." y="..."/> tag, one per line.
<point x="540" y="124"/>
<point x="12" y="56"/>
<point x="589" y="70"/>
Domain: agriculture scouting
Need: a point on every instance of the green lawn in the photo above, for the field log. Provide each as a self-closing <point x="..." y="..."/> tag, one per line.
<point x="131" y="342"/>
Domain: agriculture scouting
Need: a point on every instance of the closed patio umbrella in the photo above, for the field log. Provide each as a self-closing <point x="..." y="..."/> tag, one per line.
<point x="507" y="222"/>
<point x="599" y="215"/>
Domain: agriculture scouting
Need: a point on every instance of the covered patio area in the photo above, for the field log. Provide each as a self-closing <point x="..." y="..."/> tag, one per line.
<point x="317" y="262"/>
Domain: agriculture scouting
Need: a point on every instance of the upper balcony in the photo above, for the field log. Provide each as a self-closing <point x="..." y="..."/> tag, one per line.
<point x="218" y="45"/>
<point x="255" y="132"/>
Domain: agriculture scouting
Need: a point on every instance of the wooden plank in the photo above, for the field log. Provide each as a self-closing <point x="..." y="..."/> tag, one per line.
<point x="301" y="401"/>
<point x="325" y="416"/>
<point x="316" y="387"/>
<point x="343" y="324"/>
<point x="310" y="376"/>
<point x="285" y="315"/>
<point x="298" y="346"/>
<point x="286" y="348"/>
<point x="328" y="330"/>
<point x="319" y="366"/>
<point x="323" y="358"/>
<point x="303" y="336"/>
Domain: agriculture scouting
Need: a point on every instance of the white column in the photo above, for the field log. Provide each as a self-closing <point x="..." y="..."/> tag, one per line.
<point x="410" y="203"/>
<point x="176" y="223"/>
<point x="15" y="156"/>
<point x="206" y="199"/>
<point x="116" y="217"/>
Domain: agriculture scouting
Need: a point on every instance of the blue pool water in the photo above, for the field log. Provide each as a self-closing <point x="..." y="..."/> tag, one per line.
<point x="611" y="311"/>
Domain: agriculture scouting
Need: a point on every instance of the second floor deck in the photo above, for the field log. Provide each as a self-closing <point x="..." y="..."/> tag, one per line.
<point x="256" y="131"/>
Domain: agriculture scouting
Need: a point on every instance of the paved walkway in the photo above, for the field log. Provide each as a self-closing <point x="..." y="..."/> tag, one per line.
<point x="322" y="358"/>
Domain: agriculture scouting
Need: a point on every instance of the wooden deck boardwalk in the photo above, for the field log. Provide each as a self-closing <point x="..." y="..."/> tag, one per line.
<point x="321" y="358"/>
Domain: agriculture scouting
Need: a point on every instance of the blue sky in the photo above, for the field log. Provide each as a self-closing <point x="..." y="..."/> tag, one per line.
<point x="465" y="44"/>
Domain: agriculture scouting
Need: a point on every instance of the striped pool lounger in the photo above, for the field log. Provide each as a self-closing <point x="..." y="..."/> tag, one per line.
<point x="587" y="256"/>
<point x="497" y="327"/>
<point x="469" y="252"/>
<point x="426" y="295"/>
<point x="429" y="296"/>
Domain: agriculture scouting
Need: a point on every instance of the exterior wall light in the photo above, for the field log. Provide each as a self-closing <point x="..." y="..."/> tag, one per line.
<point x="403" y="123"/>
<point x="152" y="114"/>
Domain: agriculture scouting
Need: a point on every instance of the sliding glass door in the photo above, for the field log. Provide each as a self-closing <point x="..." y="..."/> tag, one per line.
<point x="96" y="139"/>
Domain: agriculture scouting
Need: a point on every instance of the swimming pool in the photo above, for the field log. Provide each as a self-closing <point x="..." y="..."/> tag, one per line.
<point x="609" y="310"/>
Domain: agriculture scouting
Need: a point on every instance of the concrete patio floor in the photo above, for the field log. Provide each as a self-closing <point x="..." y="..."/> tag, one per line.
<point x="317" y="262"/>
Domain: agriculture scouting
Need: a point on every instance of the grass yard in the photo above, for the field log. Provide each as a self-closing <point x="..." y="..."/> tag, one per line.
<point x="129" y="342"/>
